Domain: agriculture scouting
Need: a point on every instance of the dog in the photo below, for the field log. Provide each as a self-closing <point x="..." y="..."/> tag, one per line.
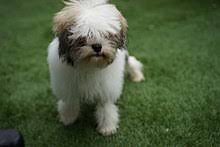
<point x="88" y="60"/>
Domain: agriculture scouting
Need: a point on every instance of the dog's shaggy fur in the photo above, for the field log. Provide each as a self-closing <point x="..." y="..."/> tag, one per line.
<point x="87" y="61"/>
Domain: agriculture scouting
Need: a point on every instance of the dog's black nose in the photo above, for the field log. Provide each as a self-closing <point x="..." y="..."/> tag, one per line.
<point x="97" y="47"/>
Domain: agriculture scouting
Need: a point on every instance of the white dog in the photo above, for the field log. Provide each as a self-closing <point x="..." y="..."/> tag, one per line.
<point x="87" y="61"/>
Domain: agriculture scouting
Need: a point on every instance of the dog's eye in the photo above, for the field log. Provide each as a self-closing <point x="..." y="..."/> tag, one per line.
<point x="80" y="42"/>
<point x="114" y="44"/>
<point x="116" y="40"/>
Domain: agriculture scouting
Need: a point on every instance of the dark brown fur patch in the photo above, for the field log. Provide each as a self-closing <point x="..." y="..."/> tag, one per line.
<point x="68" y="47"/>
<point x="117" y="40"/>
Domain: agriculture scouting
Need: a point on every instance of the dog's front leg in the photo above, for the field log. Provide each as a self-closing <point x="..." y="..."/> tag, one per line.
<point x="68" y="111"/>
<point x="107" y="118"/>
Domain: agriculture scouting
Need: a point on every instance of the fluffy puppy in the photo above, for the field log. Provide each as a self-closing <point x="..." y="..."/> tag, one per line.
<point x="87" y="61"/>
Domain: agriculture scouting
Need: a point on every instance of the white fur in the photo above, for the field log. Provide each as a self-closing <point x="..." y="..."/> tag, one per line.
<point x="87" y="83"/>
<point x="87" y="3"/>
<point x="108" y="118"/>
<point x="69" y="110"/>
<point x="74" y="84"/>
<point x="95" y="18"/>
<point x="134" y="69"/>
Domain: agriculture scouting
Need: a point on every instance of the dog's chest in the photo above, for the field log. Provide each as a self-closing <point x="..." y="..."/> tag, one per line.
<point x="89" y="86"/>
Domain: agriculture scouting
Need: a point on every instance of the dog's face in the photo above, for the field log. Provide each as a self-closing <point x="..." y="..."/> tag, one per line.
<point x="89" y="35"/>
<point x="94" y="51"/>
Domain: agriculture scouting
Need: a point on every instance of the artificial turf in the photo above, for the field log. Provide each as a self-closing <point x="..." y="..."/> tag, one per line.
<point x="177" y="105"/>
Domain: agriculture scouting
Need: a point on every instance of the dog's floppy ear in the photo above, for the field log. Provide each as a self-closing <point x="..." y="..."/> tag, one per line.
<point x="120" y="37"/>
<point x="123" y="32"/>
<point x="65" y="45"/>
<point x="68" y="46"/>
<point x="64" y="42"/>
<point x="124" y="25"/>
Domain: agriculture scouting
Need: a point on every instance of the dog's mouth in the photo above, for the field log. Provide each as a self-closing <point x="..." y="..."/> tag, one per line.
<point x="98" y="55"/>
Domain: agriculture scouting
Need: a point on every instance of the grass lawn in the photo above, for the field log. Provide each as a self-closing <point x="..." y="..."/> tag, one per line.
<point x="177" y="105"/>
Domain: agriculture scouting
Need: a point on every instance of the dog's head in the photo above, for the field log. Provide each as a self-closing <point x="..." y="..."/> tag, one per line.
<point x="89" y="32"/>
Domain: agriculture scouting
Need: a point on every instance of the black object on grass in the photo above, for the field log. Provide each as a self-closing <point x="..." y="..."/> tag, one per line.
<point x="11" y="138"/>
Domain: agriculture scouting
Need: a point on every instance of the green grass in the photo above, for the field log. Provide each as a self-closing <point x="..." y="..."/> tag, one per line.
<point x="178" y="104"/>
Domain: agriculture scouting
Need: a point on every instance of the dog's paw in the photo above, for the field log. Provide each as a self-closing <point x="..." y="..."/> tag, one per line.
<point x="106" y="131"/>
<point x="67" y="120"/>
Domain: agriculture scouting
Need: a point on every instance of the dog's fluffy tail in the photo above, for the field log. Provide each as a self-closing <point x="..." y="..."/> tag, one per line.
<point x="134" y="69"/>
